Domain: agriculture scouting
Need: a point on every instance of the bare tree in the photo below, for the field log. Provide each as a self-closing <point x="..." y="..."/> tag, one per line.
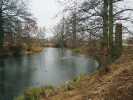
<point x="96" y="19"/>
<point x="11" y="12"/>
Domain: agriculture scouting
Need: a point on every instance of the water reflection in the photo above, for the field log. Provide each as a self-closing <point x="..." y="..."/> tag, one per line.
<point x="14" y="76"/>
<point x="53" y="66"/>
<point x="2" y="71"/>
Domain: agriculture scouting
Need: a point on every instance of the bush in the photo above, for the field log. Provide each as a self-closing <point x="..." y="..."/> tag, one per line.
<point x="24" y="46"/>
<point x="16" y="49"/>
<point x="31" y="46"/>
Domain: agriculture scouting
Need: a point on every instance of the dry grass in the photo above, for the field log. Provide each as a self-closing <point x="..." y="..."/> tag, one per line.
<point x="20" y="48"/>
<point x="48" y="45"/>
<point x="116" y="84"/>
<point x="45" y="91"/>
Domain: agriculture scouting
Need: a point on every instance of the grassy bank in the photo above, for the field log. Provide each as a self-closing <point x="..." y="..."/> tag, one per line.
<point x="112" y="81"/>
<point x="44" y="91"/>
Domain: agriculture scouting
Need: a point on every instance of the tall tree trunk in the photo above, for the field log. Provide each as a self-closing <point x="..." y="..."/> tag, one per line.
<point x="74" y="29"/>
<point x="105" y="25"/>
<point x="62" y="33"/>
<point x="118" y="40"/>
<point x="90" y="36"/>
<point x="111" y="46"/>
<point x="1" y="34"/>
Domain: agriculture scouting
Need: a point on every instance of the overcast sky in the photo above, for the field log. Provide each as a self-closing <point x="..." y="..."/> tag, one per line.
<point x="44" y="11"/>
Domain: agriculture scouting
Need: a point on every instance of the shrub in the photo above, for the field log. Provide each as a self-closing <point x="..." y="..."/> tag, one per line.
<point x="16" y="49"/>
<point x="31" y="47"/>
<point x="24" y="46"/>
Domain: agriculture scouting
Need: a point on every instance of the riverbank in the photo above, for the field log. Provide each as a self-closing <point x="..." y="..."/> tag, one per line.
<point x="20" y="48"/>
<point x="116" y="84"/>
<point x="115" y="81"/>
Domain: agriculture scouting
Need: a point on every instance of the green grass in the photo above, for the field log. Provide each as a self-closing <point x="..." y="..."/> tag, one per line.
<point x="49" y="86"/>
<point x="32" y="93"/>
<point x="75" y="82"/>
<point x="42" y="87"/>
<point x="76" y="79"/>
<point x="59" y="85"/>
<point x="35" y="93"/>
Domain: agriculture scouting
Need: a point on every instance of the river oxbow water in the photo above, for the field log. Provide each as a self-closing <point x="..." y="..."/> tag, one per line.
<point x="52" y="65"/>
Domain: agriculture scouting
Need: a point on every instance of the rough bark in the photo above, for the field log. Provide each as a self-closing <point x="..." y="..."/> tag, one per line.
<point x="1" y="34"/>
<point x="105" y="25"/>
<point x="74" y="29"/>
<point x="62" y="33"/>
<point x="90" y="38"/>
<point x="118" y="40"/>
<point x="111" y="46"/>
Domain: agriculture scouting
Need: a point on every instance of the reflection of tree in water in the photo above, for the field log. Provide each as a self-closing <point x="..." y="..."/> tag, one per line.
<point x="15" y="73"/>
<point x="92" y="65"/>
<point x="68" y="63"/>
<point x="2" y="77"/>
<point x="59" y="62"/>
<point x="76" y="63"/>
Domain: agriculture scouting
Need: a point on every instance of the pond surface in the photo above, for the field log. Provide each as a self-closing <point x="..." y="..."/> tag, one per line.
<point x="52" y="65"/>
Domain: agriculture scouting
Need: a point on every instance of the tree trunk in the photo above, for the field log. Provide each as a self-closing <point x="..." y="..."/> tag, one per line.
<point x="111" y="46"/>
<point x="62" y="33"/>
<point x="118" y="40"/>
<point x="74" y="29"/>
<point x="90" y="36"/>
<point x="1" y="34"/>
<point x="105" y="26"/>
